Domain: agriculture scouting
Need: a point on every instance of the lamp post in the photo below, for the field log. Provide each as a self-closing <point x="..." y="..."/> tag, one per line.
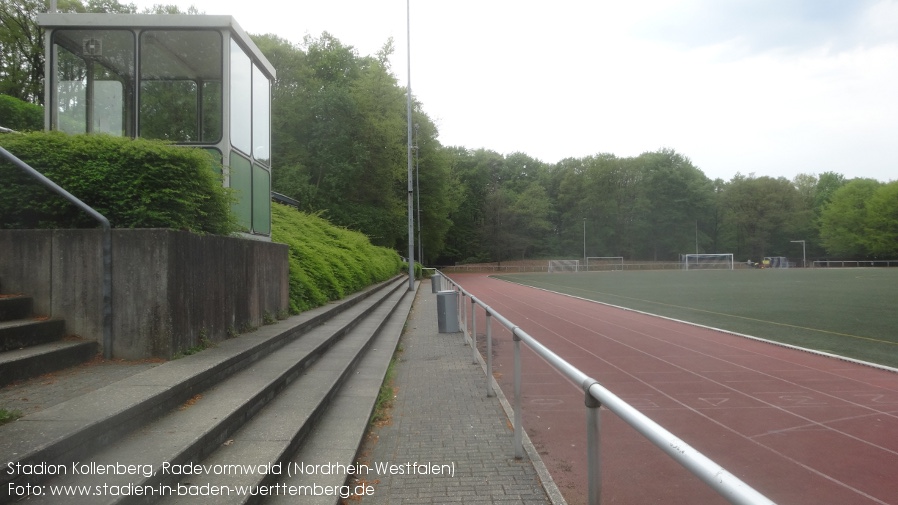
<point x="411" y="217"/>
<point x="584" y="239"/>
<point x="804" y="257"/>
<point x="418" y="191"/>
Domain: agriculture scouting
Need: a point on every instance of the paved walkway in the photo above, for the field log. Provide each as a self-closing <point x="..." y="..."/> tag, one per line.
<point x="442" y="416"/>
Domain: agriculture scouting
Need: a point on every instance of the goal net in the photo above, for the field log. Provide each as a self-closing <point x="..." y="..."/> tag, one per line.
<point x="596" y="263"/>
<point x="708" y="261"/>
<point x="564" y="266"/>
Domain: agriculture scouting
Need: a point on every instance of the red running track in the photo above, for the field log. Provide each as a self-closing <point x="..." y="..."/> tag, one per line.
<point x="798" y="427"/>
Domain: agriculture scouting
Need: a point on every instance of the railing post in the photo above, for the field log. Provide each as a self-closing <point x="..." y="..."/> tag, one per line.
<point x="473" y="319"/>
<point x="474" y="346"/>
<point x="489" y="357"/>
<point x="464" y="309"/>
<point x="593" y="449"/>
<point x="461" y="309"/>
<point x="518" y="421"/>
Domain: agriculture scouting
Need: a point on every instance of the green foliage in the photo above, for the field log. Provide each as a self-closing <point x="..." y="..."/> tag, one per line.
<point x="419" y="269"/>
<point x="882" y="222"/>
<point x="19" y="115"/>
<point x="22" y="43"/>
<point x="327" y="262"/>
<point x="340" y="141"/>
<point x="21" y="50"/>
<point x="760" y="211"/>
<point x="387" y="391"/>
<point x="8" y="416"/>
<point x="203" y="344"/>
<point x="844" y="218"/>
<point x="134" y="183"/>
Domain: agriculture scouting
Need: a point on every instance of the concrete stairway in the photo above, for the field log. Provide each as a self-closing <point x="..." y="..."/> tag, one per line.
<point x="242" y="413"/>
<point x="31" y="346"/>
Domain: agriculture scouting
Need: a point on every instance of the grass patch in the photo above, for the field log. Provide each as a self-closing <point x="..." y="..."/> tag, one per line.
<point x="849" y="312"/>
<point x="204" y="344"/>
<point x="384" y="403"/>
<point x="8" y="416"/>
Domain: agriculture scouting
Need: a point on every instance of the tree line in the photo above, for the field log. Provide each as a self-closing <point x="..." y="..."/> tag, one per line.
<point x="340" y="144"/>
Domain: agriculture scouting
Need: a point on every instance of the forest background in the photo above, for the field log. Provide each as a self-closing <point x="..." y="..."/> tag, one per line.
<point x="340" y="144"/>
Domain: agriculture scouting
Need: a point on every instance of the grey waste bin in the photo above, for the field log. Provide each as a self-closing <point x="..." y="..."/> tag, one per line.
<point x="436" y="283"/>
<point x="447" y="312"/>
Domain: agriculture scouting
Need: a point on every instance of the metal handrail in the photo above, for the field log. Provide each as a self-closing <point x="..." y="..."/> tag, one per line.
<point x="107" y="243"/>
<point x="715" y="476"/>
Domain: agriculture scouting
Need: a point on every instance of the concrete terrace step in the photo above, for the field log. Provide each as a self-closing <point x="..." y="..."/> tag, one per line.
<point x="32" y="346"/>
<point x="27" y="332"/>
<point x="312" y="412"/>
<point x="336" y="439"/>
<point x="15" y="307"/>
<point x="228" y="383"/>
<point x="37" y="360"/>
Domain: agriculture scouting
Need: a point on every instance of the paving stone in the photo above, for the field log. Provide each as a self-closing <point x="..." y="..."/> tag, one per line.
<point x="441" y="415"/>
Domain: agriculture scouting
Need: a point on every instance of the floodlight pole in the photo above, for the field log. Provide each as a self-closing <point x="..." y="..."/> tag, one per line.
<point x="584" y="239"/>
<point x="418" y="191"/>
<point x="804" y="256"/>
<point x="411" y="217"/>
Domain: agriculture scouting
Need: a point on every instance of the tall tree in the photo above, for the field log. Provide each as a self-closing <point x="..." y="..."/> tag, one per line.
<point x="22" y="44"/>
<point x="760" y="210"/>
<point x="471" y="174"/>
<point x="22" y="50"/>
<point x="340" y="142"/>
<point x="881" y="228"/>
<point x="679" y="197"/>
<point x="843" y="219"/>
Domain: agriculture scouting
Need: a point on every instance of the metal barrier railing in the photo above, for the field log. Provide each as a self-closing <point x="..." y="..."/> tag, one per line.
<point x="107" y="243"/>
<point x="715" y="476"/>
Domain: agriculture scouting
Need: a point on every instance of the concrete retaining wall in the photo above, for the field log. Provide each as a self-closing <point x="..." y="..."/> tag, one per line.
<point x="169" y="288"/>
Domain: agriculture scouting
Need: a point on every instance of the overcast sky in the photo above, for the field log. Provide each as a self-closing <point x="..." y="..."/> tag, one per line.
<point x="770" y="87"/>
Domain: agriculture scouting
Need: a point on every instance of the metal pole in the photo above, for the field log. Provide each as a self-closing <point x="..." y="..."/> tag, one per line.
<point x="804" y="257"/>
<point x="489" y="357"/>
<point x="106" y="243"/>
<point x="411" y="217"/>
<point x="418" y="191"/>
<point x="593" y="450"/>
<point x="584" y="240"/>
<point x="464" y="309"/>
<point x="473" y="319"/>
<point x="474" y="343"/>
<point x="518" y="422"/>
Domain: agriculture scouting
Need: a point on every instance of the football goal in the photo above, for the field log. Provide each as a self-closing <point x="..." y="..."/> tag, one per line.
<point x="708" y="261"/>
<point x="595" y="263"/>
<point x="564" y="266"/>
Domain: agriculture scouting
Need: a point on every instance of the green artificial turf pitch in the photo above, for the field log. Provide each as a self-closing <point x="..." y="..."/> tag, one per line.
<point x="849" y="312"/>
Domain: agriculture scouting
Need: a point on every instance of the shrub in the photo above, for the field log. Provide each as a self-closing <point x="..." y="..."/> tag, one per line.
<point x="135" y="183"/>
<point x="19" y="115"/>
<point x="327" y="262"/>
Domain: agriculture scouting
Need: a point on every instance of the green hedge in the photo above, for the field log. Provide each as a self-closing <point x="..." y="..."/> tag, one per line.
<point x="326" y="262"/>
<point x="19" y="115"/>
<point x="149" y="184"/>
<point x="134" y="183"/>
